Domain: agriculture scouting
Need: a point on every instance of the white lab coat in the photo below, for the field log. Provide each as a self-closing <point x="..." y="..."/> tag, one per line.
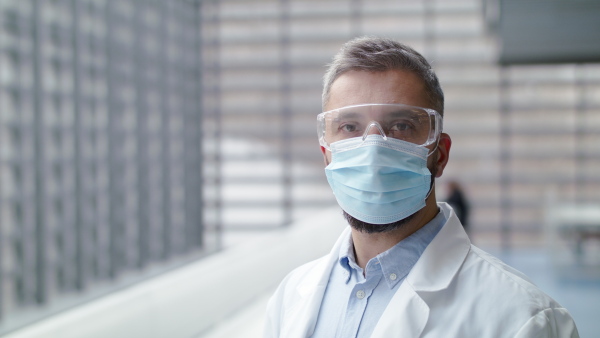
<point x="454" y="290"/>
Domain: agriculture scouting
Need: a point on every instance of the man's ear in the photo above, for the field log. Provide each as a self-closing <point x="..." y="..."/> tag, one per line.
<point x="443" y="151"/>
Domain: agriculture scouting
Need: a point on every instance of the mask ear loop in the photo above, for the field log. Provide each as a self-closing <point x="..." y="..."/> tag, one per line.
<point x="437" y="142"/>
<point x="431" y="187"/>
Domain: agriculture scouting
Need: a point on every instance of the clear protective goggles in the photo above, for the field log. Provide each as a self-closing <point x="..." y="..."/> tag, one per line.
<point x="420" y="126"/>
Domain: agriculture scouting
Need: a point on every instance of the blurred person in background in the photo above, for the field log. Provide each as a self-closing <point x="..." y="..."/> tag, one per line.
<point x="459" y="203"/>
<point x="405" y="266"/>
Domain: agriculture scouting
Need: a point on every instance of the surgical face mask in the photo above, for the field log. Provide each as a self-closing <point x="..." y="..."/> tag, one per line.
<point x="379" y="180"/>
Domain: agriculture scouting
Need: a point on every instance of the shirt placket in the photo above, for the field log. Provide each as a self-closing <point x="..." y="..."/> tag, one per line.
<point x="358" y="300"/>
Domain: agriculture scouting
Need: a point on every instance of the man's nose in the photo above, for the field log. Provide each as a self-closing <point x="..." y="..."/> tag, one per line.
<point x="374" y="128"/>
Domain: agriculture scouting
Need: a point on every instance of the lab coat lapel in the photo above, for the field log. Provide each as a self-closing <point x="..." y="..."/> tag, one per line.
<point x="408" y="312"/>
<point x="302" y="318"/>
<point x="443" y="257"/>
<point x="405" y="316"/>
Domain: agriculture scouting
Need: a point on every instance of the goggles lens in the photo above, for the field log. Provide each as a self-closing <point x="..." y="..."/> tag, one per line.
<point x="420" y="126"/>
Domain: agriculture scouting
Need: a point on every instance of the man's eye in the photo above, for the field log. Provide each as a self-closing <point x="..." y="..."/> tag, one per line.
<point x="401" y="127"/>
<point x="349" y="128"/>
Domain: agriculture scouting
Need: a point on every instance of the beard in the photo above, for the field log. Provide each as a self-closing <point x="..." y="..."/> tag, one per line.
<point x="370" y="228"/>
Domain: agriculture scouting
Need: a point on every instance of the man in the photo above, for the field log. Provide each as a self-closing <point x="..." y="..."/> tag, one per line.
<point x="405" y="266"/>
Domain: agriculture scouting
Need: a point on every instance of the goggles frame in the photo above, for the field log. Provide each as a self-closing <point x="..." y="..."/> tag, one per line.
<point x="434" y="131"/>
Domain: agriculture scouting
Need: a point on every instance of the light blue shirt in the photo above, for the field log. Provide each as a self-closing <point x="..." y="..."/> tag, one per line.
<point x="353" y="303"/>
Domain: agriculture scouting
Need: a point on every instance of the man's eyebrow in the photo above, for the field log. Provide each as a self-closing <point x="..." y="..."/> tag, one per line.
<point x="347" y="115"/>
<point x="400" y="111"/>
<point x="403" y="113"/>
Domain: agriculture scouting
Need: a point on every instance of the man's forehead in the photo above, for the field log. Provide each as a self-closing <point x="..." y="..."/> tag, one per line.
<point x="361" y="87"/>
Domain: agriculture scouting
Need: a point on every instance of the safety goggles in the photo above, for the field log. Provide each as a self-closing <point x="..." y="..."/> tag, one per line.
<point x="420" y="126"/>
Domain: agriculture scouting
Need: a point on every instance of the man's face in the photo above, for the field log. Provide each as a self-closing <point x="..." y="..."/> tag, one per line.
<point x="392" y="86"/>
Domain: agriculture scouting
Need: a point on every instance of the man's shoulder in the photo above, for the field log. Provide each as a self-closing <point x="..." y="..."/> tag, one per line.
<point x="492" y="278"/>
<point x="487" y="297"/>
<point x="495" y="264"/>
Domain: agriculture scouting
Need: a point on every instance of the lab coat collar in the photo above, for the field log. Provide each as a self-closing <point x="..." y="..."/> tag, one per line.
<point x="311" y="290"/>
<point x="408" y="312"/>
<point x="323" y="270"/>
<point x="444" y="256"/>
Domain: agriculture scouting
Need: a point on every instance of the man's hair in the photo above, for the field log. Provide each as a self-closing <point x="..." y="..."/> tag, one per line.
<point x="378" y="55"/>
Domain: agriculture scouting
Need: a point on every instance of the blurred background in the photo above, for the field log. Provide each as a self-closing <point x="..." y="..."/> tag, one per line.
<point x="160" y="171"/>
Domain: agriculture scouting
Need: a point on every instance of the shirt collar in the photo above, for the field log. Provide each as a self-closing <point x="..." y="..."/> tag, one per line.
<point x="397" y="261"/>
<point x="346" y="256"/>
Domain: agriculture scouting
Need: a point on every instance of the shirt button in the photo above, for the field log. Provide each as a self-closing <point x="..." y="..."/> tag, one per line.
<point x="360" y="294"/>
<point x="393" y="276"/>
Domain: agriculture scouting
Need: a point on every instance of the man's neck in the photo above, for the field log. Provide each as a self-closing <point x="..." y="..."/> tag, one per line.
<point x="369" y="245"/>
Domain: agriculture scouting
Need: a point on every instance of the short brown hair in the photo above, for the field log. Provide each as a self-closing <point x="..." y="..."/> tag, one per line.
<point x="378" y="55"/>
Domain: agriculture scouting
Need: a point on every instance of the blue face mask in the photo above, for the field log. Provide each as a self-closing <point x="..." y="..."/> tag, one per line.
<point x="379" y="181"/>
